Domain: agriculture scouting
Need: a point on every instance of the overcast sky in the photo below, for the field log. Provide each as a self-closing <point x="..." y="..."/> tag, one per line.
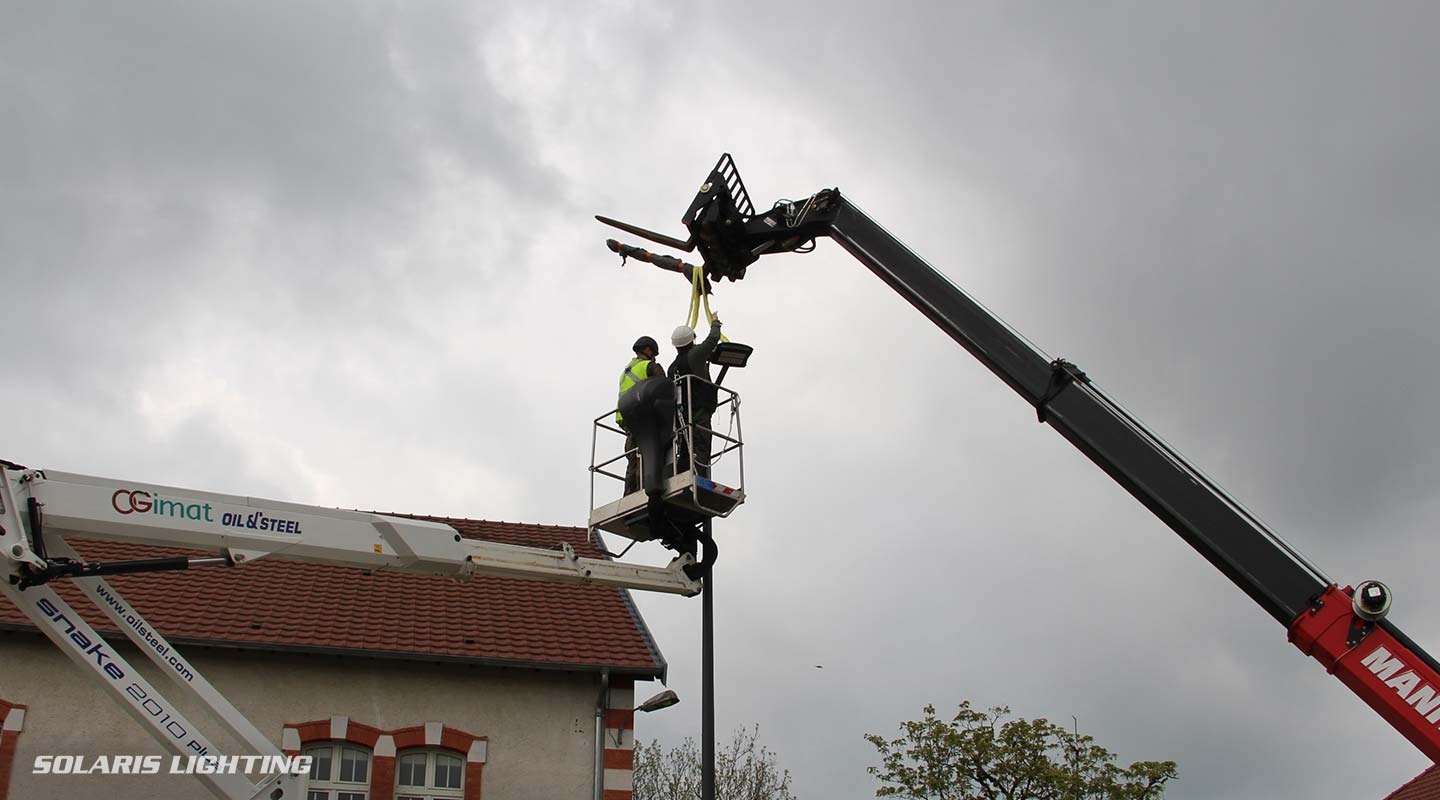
<point x="343" y="254"/>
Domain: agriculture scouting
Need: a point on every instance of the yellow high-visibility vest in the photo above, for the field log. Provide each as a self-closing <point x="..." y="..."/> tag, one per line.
<point x="630" y="378"/>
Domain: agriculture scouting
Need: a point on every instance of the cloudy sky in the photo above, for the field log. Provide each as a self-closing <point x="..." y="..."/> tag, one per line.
<point x="343" y="254"/>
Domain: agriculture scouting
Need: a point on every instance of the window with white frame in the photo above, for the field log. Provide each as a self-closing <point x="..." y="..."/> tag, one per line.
<point x="429" y="775"/>
<point x="338" y="771"/>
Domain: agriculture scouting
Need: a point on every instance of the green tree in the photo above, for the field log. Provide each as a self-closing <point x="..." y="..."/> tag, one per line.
<point x="744" y="770"/>
<point x="980" y="755"/>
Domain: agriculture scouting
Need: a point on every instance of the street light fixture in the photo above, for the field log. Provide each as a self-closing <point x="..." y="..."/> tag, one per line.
<point x="665" y="699"/>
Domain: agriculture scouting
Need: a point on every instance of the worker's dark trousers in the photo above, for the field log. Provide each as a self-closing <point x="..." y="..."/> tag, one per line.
<point x="632" y="464"/>
<point x="701" y="436"/>
<point x="649" y="411"/>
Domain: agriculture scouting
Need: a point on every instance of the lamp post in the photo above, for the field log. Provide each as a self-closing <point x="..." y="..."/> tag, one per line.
<point x="1075" y="754"/>
<point x="707" y="670"/>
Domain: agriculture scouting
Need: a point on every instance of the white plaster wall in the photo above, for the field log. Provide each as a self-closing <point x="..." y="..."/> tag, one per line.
<point x="539" y="722"/>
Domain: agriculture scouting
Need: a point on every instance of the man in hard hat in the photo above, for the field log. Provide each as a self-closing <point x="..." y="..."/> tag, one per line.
<point x="641" y="368"/>
<point x="698" y="395"/>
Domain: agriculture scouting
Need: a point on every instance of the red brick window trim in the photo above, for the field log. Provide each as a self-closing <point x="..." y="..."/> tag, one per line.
<point x="12" y="721"/>
<point x="340" y="770"/>
<point x="385" y="744"/>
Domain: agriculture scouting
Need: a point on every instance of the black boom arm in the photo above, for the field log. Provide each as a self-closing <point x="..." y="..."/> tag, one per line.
<point x="731" y="236"/>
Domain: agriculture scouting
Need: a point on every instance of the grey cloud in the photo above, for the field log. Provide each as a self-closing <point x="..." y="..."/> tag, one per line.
<point x="366" y="233"/>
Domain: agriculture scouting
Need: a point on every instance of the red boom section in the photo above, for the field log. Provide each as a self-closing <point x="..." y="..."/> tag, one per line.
<point x="1383" y="672"/>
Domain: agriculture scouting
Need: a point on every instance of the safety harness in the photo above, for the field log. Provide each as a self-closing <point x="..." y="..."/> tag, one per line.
<point x="698" y="299"/>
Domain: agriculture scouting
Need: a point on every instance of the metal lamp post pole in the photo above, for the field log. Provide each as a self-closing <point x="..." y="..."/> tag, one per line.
<point x="707" y="671"/>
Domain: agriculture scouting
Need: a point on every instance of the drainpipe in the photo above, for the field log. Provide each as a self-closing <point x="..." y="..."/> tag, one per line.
<point x="600" y="703"/>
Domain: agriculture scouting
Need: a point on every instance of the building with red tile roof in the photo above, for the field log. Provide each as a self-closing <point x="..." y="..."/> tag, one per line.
<point x="402" y="680"/>
<point x="1425" y="786"/>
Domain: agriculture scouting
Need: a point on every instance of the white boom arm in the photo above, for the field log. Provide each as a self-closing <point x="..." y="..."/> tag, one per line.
<point x="238" y="530"/>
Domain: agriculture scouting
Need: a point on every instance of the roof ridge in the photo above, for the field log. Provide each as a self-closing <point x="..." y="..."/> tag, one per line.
<point x="481" y="520"/>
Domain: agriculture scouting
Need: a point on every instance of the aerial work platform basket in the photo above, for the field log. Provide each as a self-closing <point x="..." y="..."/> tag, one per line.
<point x="694" y="489"/>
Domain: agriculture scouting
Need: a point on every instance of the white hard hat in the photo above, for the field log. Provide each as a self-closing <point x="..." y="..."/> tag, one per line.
<point x="682" y="336"/>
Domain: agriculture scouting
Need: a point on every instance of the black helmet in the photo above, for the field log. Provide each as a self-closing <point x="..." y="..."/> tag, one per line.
<point x="643" y="342"/>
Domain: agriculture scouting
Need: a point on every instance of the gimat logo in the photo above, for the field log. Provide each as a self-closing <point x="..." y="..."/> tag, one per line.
<point x="137" y="501"/>
<point x="130" y="501"/>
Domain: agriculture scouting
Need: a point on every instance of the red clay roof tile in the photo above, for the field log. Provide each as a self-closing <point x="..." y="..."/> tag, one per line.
<point x="274" y="604"/>
<point x="1425" y="786"/>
